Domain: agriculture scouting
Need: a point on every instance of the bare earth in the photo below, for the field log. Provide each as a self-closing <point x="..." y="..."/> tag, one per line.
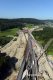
<point x="16" y="49"/>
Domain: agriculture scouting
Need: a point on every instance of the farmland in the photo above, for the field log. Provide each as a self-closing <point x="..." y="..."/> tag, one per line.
<point x="9" y="32"/>
<point x="6" y="36"/>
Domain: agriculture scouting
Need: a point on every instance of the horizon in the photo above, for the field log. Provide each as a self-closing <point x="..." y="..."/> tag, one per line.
<point x="26" y="18"/>
<point x="37" y="9"/>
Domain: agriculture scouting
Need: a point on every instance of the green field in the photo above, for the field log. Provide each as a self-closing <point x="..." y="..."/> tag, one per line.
<point x="29" y="25"/>
<point x="6" y="36"/>
<point x="9" y="32"/>
<point x="44" y="35"/>
<point x="50" y="49"/>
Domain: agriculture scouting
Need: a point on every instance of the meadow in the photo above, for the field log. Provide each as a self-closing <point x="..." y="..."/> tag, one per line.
<point x="9" y="32"/>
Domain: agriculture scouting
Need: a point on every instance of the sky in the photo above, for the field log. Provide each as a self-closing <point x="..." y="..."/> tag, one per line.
<point x="39" y="9"/>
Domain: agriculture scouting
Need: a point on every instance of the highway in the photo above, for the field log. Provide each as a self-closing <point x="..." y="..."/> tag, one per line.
<point x="30" y="61"/>
<point x="35" y="65"/>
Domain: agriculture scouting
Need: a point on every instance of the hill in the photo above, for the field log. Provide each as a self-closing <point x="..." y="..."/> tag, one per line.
<point x="20" y="23"/>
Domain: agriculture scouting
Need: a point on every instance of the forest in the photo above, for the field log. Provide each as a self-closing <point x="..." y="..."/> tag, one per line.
<point x="17" y="23"/>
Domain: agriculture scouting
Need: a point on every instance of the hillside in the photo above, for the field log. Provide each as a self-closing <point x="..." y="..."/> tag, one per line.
<point x="20" y="23"/>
